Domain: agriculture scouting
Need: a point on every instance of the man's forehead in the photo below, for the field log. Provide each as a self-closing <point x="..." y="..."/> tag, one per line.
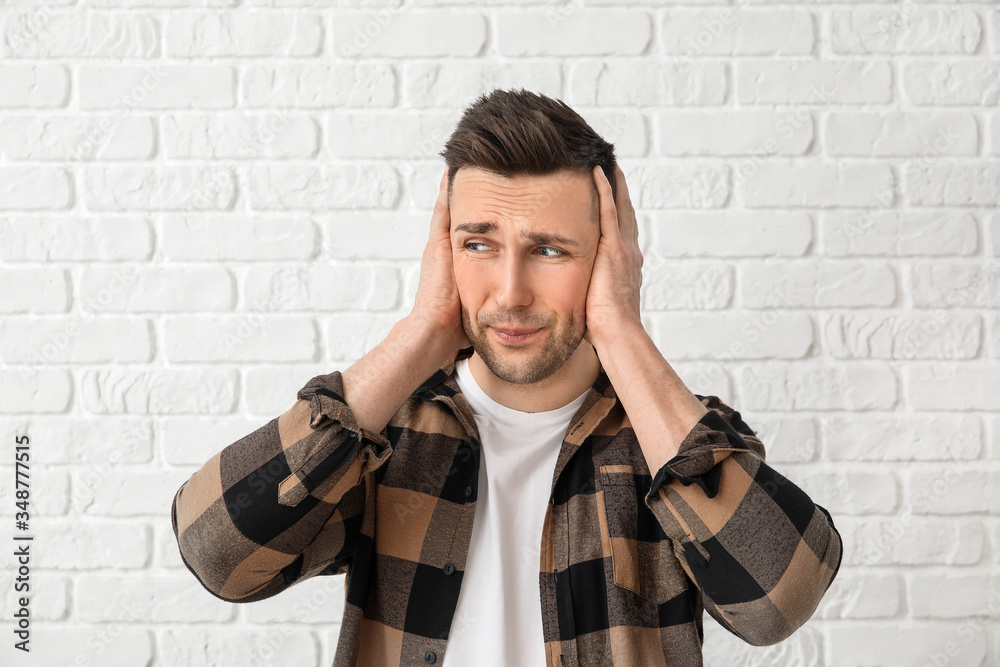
<point x="566" y="187"/>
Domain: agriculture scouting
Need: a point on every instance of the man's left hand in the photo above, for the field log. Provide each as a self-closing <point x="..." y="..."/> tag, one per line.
<point x="613" y="295"/>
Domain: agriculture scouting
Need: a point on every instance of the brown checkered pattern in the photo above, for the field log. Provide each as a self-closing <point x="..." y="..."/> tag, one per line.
<point x="629" y="560"/>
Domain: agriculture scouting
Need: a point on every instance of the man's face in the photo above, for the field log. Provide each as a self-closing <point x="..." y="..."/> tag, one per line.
<point x="523" y="251"/>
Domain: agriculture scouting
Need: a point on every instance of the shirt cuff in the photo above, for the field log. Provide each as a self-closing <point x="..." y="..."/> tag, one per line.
<point x="710" y="441"/>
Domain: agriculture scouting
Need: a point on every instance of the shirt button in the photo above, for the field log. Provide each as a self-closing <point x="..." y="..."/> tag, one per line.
<point x="429" y="657"/>
<point x="448" y="569"/>
<point x="468" y="491"/>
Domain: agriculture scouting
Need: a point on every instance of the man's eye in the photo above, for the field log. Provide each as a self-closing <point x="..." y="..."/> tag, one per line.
<point x="475" y="247"/>
<point x="550" y="252"/>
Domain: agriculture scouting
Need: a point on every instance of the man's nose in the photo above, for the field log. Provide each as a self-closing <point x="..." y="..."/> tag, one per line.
<point x="513" y="288"/>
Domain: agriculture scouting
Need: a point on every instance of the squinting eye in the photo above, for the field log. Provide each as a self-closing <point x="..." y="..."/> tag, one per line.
<point x="471" y="246"/>
<point x="550" y="252"/>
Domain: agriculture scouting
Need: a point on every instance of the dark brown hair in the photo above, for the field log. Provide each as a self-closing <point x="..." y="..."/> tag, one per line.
<point x="514" y="133"/>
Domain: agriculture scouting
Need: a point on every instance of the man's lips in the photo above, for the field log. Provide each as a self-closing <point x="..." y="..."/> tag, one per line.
<point x="514" y="335"/>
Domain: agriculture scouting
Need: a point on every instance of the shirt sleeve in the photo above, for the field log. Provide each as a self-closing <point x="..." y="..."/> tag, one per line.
<point x="283" y="503"/>
<point x="759" y="550"/>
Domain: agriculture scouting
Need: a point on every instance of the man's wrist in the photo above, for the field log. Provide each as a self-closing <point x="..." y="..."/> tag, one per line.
<point x="424" y="345"/>
<point x="623" y="332"/>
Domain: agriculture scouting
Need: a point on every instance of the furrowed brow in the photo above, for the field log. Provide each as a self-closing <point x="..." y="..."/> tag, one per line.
<point x="476" y="228"/>
<point x="542" y="238"/>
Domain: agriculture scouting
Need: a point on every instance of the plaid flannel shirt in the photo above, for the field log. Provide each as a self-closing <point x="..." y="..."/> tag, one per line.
<point x="629" y="560"/>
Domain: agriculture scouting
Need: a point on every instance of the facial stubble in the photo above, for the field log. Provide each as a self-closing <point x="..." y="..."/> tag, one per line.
<point x="558" y="348"/>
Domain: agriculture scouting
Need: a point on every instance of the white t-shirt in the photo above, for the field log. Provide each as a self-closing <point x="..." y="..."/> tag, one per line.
<point x="498" y="620"/>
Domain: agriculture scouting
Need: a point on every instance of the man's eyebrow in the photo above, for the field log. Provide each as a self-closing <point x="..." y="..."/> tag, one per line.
<point x="542" y="238"/>
<point x="538" y="238"/>
<point x="476" y="228"/>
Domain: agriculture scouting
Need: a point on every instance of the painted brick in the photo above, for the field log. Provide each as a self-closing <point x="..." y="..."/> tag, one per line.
<point x="192" y="236"/>
<point x="691" y="185"/>
<point x="938" y="335"/>
<point x="813" y="83"/>
<point x="158" y="188"/>
<point x="948" y="83"/>
<point x="580" y="33"/>
<point x="33" y="86"/>
<point x="270" y="136"/>
<point x="727" y="32"/>
<point x="322" y="287"/>
<point x="885" y="232"/>
<point x="924" y="31"/>
<point x="87" y="35"/>
<point x="239" y="338"/>
<point x="157" y="289"/>
<point x="91" y="238"/>
<point x="945" y="183"/>
<point x="321" y="187"/>
<point x="730" y="233"/>
<point x="127" y="492"/>
<point x="901" y="134"/>
<point x="381" y="135"/>
<point x="75" y="340"/>
<point x="457" y="84"/>
<point x="638" y="83"/>
<point x="408" y="34"/>
<point x="158" y="391"/>
<point x="77" y="138"/>
<point x="890" y="437"/>
<point x="815" y="184"/>
<point x="784" y="386"/>
<point x="315" y="86"/>
<point x="797" y="284"/>
<point x="956" y="285"/>
<point x="691" y="285"/>
<point x="34" y="290"/>
<point x="235" y="34"/>
<point x="947" y="387"/>
<point x="156" y="86"/>
<point x="888" y="643"/>
<point x="35" y="188"/>
<point x="735" y="335"/>
<point x="762" y="133"/>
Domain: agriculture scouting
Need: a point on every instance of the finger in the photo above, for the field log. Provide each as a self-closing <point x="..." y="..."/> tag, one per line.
<point x="627" y="220"/>
<point x="609" y="214"/>
<point x="441" y="217"/>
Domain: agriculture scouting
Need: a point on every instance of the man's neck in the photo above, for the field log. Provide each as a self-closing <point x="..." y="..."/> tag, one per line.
<point x="559" y="389"/>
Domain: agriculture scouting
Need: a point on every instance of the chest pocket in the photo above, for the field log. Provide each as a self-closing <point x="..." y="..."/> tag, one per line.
<point x="641" y="553"/>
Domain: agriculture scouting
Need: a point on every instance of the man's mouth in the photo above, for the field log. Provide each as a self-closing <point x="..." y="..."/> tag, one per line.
<point x="514" y="335"/>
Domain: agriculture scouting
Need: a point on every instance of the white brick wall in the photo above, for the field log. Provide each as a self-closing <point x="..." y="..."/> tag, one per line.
<point x="204" y="204"/>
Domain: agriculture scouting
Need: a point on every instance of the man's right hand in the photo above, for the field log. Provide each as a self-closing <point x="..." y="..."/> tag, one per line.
<point x="437" y="305"/>
<point x="420" y="343"/>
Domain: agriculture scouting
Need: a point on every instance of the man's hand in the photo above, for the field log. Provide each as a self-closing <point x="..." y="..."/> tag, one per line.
<point x="437" y="305"/>
<point x="419" y="344"/>
<point x="661" y="409"/>
<point x="613" y="296"/>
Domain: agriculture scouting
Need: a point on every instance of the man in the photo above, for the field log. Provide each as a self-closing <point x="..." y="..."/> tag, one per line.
<point x="552" y="496"/>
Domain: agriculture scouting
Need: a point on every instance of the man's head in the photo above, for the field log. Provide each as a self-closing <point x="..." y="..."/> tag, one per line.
<point x="525" y="227"/>
<point x="515" y="133"/>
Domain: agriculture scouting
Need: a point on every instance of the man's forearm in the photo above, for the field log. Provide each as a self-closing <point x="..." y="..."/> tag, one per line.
<point x="379" y="383"/>
<point x="660" y="407"/>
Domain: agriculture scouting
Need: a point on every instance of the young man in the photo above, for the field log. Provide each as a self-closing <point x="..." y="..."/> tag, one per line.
<point x="554" y="495"/>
